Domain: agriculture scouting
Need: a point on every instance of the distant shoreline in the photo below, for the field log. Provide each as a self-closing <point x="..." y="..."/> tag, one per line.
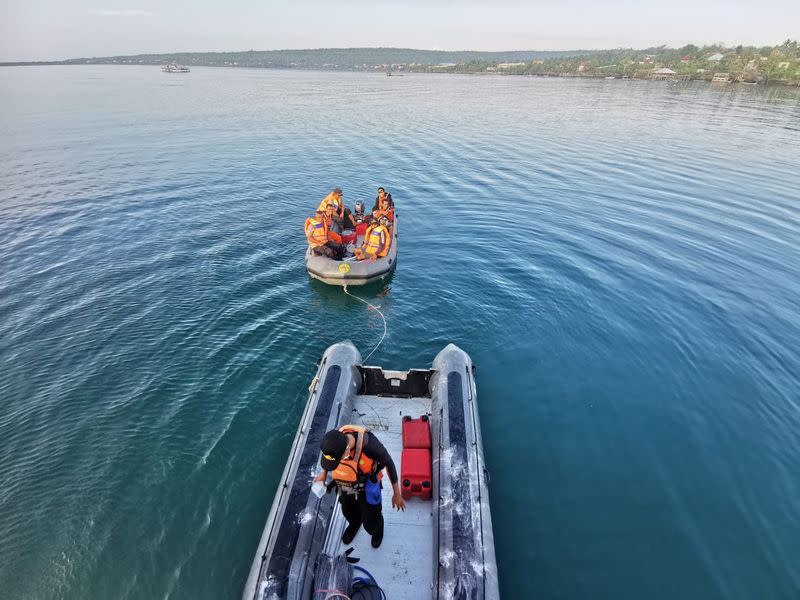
<point x="778" y="65"/>
<point x="709" y="80"/>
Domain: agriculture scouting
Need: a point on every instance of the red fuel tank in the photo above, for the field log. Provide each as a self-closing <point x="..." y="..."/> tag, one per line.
<point x="416" y="432"/>
<point x="415" y="473"/>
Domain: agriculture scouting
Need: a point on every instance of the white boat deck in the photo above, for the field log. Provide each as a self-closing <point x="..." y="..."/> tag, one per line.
<point x="403" y="565"/>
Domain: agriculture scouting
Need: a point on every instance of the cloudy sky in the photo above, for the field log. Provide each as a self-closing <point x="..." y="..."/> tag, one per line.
<point x="57" y="29"/>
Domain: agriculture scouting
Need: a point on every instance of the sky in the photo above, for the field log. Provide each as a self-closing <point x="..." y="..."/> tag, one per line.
<point x="60" y="29"/>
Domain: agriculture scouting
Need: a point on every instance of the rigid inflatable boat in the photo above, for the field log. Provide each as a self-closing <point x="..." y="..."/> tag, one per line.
<point x="443" y="545"/>
<point x="351" y="271"/>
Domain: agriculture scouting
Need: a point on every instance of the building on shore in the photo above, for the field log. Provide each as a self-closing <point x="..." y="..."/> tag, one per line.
<point x="662" y="73"/>
<point x="509" y="65"/>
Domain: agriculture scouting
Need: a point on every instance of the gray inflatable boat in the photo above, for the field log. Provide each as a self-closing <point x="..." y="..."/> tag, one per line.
<point x="442" y="546"/>
<point x="351" y="271"/>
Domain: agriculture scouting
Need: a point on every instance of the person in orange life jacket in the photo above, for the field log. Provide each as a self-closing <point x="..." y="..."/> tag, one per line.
<point x="335" y="198"/>
<point x="316" y="229"/>
<point x="383" y="195"/>
<point x="377" y="239"/>
<point x="337" y="215"/>
<point x="356" y="458"/>
<point x="386" y="211"/>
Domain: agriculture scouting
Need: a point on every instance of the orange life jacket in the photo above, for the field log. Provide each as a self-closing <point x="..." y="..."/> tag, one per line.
<point x="388" y="212"/>
<point x="331" y="199"/>
<point x="377" y="241"/>
<point x="316" y="231"/>
<point x="352" y="472"/>
<point x="334" y="237"/>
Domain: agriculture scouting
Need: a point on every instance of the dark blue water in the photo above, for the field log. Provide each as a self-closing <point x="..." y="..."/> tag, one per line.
<point x="620" y="258"/>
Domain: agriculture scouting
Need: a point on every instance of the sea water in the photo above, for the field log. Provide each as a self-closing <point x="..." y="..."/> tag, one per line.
<point x="620" y="258"/>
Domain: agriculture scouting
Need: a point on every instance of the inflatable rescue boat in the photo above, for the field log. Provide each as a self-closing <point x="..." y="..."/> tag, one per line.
<point x="351" y="271"/>
<point x="441" y="545"/>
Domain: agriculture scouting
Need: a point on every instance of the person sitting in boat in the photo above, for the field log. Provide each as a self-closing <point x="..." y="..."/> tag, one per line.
<point x="383" y="195"/>
<point x="377" y="239"/>
<point x="335" y="198"/>
<point x="318" y="237"/>
<point x="355" y="458"/>
<point x="348" y="220"/>
<point x="385" y="205"/>
<point x="336" y="219"/>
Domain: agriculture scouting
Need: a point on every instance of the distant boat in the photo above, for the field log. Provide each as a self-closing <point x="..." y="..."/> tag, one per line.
<point x="174" y="68"/>
<point x="610" y="77"/>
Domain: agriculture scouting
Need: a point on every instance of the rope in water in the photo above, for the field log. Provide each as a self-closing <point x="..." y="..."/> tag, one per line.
<point x="377" y="310"/>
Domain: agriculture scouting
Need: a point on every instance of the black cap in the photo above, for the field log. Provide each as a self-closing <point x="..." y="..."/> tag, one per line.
<point x="332" y="446"/>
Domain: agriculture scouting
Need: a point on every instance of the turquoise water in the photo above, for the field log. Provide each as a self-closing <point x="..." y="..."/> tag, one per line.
<point x="620" y="258"/>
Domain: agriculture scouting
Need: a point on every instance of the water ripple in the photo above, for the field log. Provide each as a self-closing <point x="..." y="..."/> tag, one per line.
<point x="620" y="258"/>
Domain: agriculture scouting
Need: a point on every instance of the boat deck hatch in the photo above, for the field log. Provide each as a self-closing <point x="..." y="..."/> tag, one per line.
<point x="401" y="384"/>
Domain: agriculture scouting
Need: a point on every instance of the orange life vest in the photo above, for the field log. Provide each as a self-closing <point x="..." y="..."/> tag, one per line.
<point x="388" y="212"/>
<point x="353" y="471"/>
<point x="377" y="241"/>
<point x="316" y="231"/>
<point x="331" y="199"/>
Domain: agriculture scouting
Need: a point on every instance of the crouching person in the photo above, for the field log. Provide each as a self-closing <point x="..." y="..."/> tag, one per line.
<point x="355" y="459"/>
<point x="317" y="235"/>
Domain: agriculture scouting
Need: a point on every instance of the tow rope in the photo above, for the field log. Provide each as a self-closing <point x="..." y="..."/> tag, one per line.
<point x="377" y="310"/>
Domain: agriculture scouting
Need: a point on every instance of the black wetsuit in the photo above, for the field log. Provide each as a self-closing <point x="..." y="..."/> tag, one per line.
<point x="355" y="507"/>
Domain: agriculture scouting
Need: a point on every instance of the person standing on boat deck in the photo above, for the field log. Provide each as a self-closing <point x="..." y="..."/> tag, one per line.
<point x="317" y="235"/>
<point x="356" y="459"/>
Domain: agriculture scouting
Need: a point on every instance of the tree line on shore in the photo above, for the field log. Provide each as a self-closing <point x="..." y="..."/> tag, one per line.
<point x="767" y="64"/>
<point x="780" y="63"/>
